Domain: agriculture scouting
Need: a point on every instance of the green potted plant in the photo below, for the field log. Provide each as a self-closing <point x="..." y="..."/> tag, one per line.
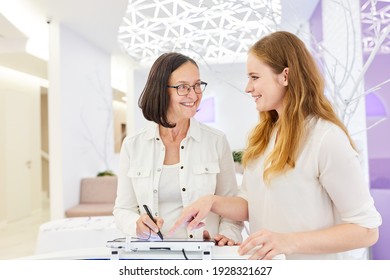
<point x="105" y="173"/>
<point x="237" y="156"/>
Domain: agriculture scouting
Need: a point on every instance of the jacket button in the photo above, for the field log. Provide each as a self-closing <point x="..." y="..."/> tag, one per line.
<point x="191" y="236"/>
<point x="157" y="139"/>
<point x="181" y="167"/>
<point x="183" y="189"/>
<point x="182" y="147"/>
<point x="155" y="191"/>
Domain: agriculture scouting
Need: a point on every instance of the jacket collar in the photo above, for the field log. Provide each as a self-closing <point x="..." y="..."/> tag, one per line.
<point x="193" y="131"/>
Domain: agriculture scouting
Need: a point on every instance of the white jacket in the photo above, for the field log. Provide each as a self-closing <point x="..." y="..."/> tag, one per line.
<point x="206" y="167"/>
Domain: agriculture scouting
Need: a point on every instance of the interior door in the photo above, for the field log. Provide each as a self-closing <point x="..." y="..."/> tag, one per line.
<point x="19" y="161"/>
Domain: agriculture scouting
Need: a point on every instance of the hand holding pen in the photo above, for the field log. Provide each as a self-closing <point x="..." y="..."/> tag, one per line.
<point x="153" y="227"/>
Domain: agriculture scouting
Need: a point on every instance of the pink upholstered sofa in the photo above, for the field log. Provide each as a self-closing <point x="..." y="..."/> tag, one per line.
<point x="97" y="197"/>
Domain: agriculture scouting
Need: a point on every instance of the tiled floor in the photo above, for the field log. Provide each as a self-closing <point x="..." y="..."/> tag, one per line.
<point x="18" y="239"/>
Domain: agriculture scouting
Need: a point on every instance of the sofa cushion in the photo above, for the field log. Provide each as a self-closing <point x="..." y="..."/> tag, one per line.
<point x="90" y="209"/>
<point x="98" y="190"/>
<point x="97" y="197"/>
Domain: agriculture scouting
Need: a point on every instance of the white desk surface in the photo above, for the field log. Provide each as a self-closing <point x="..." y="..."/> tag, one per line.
<point x="218" y="253"/>
<point x="76" y="233"/>
<point x="86" y="238"/>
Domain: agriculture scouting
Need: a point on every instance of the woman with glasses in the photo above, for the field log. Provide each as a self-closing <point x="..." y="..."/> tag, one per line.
<point x="304" y="192"/>
<point x="174" y="160"/>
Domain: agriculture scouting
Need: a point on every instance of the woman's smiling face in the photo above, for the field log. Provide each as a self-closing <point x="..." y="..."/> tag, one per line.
<point x="183" y="107"/>
<point x="267" y="88"/>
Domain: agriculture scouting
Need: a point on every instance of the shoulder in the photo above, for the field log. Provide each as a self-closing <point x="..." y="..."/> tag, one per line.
<point x="201" y="130"/>
<point x="328" y="138"/>
<point x="321" y="130"/>
<point x="147" y="132"/>
<point x="211" y="130"/>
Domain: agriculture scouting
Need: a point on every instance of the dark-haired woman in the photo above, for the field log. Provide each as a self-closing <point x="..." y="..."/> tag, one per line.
<point x="175" y="159"/>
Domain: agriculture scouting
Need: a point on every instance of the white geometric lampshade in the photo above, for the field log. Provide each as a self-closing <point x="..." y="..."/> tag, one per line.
<point x="217" y="31"/>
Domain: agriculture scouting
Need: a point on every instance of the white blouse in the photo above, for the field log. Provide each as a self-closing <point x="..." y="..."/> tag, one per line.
<point x="326" y="187"/>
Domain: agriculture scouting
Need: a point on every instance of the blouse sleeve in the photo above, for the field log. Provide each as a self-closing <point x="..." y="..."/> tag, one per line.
<point x="227" y="186"/>
<point x="341" y="175"/>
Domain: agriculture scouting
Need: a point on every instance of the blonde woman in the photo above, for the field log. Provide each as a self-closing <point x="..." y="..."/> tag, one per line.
<point x="304" y="192"/>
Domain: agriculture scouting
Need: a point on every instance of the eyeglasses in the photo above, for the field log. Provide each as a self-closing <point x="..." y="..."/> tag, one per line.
<point x="184" y="89"/>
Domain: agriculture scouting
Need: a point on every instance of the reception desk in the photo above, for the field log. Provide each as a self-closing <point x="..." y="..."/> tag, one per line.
<point x="105" y="253"/>
<point x="87" y="238"/>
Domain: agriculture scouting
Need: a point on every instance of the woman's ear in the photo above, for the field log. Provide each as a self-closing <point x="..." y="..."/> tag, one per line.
<point x="284" y="76"/>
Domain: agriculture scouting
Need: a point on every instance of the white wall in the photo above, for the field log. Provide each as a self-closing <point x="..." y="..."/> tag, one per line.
<point x="235" y="112"/>
<point x="2" y="163"/>
<point x="20" y="161"/>
<point x="80" y="115"/>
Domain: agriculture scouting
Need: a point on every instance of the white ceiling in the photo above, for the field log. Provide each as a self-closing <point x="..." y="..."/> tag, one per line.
<point x="213" y="28"/>
<point x="95" y="20"/>
<point x="10" y="37"/>
<point x="98" y="21"/>
<point x="23" y="20"/>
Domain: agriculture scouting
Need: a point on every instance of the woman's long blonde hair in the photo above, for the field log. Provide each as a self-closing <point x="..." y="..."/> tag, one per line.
<point x="304" y="96"/>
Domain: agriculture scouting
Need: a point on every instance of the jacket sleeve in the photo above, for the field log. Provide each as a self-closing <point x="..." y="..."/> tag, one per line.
<point x="126" y="209"/>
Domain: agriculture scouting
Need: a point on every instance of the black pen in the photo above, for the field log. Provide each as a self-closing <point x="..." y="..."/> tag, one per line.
<point x="151" y="217"/>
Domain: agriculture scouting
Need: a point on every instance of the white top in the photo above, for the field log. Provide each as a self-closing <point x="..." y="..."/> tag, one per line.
<point x="206" y="167"/>
<point x="169" y="200"/>
<point x="325" y="188"/>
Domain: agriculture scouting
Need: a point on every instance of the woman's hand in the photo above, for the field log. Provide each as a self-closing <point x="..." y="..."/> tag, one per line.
<point x="146" y="228"/>
<point x="265" y="245"/>
<point x="222" y="240"/>
<point x="193" y="214"/>
<point x="219" y="239"/>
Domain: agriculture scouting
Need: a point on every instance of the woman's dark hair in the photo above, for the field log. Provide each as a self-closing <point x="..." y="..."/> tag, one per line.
<point x="154" y="99"/>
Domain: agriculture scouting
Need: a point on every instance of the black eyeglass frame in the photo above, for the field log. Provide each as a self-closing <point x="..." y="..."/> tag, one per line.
<point x="189" y="88"/>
